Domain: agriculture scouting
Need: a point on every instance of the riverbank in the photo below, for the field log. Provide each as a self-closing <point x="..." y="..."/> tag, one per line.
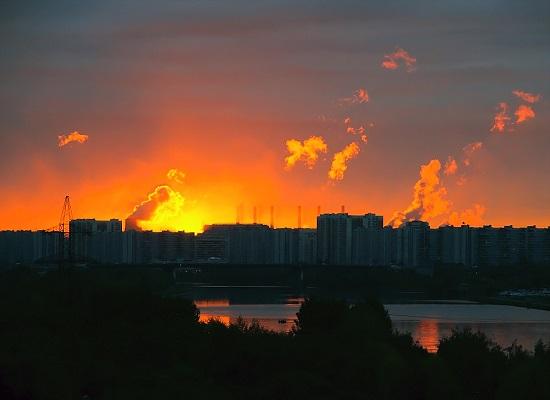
<point x="74" y="335"/>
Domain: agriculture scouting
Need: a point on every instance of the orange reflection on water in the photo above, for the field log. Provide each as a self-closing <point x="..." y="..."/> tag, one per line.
<point x="212" y="303"/>
<point x="427" y="335"/>
<point x="224" y="319"/>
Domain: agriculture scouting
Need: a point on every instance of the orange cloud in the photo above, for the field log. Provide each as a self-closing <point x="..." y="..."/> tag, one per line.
<point x="470" y="149"/>
<point x="429" y="197"/>
<point x="360" y="96"/>
<point x="340" y="159"/>
<point x="450" y="166"/>
<point x="390" y="63"/>
<point x="75" y="136"/>
<point x="391" y="60"/>
<point x="501" y="118"/>
<point x="175" y="175"/>
<point x="523" y="113"/>
<point x="361" y="130"/>
<point x="356" y="131"/>
<point x="472" y="216"/>
<point x="462" y="180"/>
<point x="307" y="151"/>
<point x="528" y="97"/>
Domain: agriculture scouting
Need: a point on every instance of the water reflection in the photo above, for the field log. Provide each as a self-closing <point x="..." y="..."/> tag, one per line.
<point x="224" y="319"/>
<point x="427" y="323"/>
<point x="427" y="335"/>
<point x="275" y="317"/>
<point x="205" y="303"/>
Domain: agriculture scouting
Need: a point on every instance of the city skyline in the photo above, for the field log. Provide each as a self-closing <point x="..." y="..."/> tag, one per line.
<point x="259" y="216"/>
<point x="338" y="239"/>
<point x="434" y="111"/>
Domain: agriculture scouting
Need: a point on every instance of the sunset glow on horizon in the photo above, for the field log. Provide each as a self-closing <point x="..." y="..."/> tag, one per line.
<point x="177" y="124"/>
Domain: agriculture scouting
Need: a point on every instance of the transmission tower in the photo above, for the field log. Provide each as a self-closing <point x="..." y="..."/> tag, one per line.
<point x="64" y="255"/>
<point x="66" y="216"/>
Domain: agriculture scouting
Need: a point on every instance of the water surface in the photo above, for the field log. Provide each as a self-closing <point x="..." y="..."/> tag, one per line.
<point x="427" y="323"/>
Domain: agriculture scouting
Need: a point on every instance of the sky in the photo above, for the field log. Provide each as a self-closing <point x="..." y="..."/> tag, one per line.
<point x="180" y="114"/>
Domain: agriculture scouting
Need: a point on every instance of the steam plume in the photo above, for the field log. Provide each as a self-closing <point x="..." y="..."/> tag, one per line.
<point x="523" y="113"/>
<point x="361" y="130"/>
<point x="470" y="149"/>
<point x="175" y="175"/>
<point x="527" y="97"/>
<point x="391" y="61"/>
<point x="429" y="197"/>
<point x="340" y="159"/>
<point x="306" y="151"/>
<point x="472" y="216"/>
<point x="75" y="136"/>
<point x="360" y="96"/>
<point x="501" y="118"/>
<point x="356" y="131"/>
<point x="160" y="210"/>
<point x="450" y="166"/>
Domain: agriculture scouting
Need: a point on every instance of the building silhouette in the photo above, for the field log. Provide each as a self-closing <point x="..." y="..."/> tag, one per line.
<point x="339" y="239"/>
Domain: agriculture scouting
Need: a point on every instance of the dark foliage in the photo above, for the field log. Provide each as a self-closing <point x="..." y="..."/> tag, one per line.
<point x="90" y="335"/>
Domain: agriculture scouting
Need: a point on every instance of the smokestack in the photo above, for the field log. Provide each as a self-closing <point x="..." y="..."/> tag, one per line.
<point x="318" y="210"/>
<point x="299" y="216"/>
<point x="272" y="217"/>
<point x="238" y="214"/>
<point x="254" y="216"/>
<point x="343" y="209"/>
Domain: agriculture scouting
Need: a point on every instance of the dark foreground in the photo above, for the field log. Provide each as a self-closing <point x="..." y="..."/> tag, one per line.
<point x="76" y="335"/>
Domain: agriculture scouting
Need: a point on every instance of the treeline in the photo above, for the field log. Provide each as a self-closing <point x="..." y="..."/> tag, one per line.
<point x="78" y="335"/>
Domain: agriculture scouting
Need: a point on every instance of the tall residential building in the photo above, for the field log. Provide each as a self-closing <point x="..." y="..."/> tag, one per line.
<point x="93" y="240"/>
<point x="334" y="239"/>
<point x="451" y="245"/>
<point x="294" y="246"/>
<point x="413" y="244"/>
<point x="367" y="240"/>
<point x="307" y="246"/>
<point x="246" y="243"/>
<point x="284" y="246"/>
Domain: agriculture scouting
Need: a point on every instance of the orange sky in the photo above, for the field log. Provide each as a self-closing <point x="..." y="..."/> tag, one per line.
<point x="218" y="99"/>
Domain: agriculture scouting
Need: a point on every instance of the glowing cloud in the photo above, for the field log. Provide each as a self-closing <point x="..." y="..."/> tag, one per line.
<point x="472" y="216"/>
<point x="469" y="150"/>
<point x="356" y="131"/>
<point x="175" y="175"/>
<point x="307" y="151"/>
<point x="450" y="166"/>
<point x="462" y="180"/>
<point x="360" y="131"/>
<point x="161" y="211"/>
<point x="429" y="197"/>
<point x="523" y="113"/>
<point x="360" y="96"/>
<point x="75" y="136"/>
<point x="340" y="159"/>
<point x="501" y="118"/>
<point x="528" y="97"/>
<point x="391" y="61"/>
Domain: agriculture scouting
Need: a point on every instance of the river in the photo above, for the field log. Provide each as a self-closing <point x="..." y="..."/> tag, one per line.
<point x="428" y="323"/>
